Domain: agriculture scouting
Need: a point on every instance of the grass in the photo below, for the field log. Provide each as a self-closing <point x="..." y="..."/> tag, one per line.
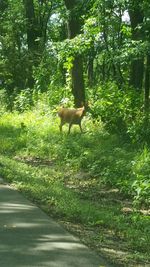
<point x="94" y="183"/>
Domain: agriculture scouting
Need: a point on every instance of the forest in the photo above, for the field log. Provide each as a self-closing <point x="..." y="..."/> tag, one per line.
<point x="75" y="53"/>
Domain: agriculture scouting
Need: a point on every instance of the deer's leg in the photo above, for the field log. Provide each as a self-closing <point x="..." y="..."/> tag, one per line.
<point x="61" y="125"/>
<point x="70" y="125"/>
<point x="80" y="127"/>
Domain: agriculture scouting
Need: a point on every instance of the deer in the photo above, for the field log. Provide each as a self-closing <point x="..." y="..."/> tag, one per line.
<point x="71" y="116"/>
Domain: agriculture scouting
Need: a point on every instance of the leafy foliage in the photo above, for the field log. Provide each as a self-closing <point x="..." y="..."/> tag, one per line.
<point x="110" y="46"/>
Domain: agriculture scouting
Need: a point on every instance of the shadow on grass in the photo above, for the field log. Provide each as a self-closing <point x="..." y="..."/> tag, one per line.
<point x="12" y="139"/>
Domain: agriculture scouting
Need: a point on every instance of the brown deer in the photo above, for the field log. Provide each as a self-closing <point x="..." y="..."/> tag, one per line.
<point x="71" y="116"/>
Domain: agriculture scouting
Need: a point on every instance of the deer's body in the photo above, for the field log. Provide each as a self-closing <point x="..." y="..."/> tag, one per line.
<point x="71" y="116"/>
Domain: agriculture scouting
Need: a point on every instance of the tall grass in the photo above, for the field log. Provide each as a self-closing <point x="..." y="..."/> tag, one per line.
<point x="66" y="173"/>
<point x="109" y="158"/>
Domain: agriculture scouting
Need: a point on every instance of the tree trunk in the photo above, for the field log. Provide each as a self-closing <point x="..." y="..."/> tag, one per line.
<point x="78" y="82"/>
<point x="74" y="26"/>
<point x="147" y="85"/>
<point x="31" y="26"/>
<point x="90" y="72"/>
<point x="31" y="40"/>
<point x="136" y="73"/>
<point x="137" y="65"/>
<point x="36" y="33"/>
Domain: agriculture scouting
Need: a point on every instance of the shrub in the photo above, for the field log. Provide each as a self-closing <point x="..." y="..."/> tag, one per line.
<point x="120" y="109"/>
<point x="141" y="171"/>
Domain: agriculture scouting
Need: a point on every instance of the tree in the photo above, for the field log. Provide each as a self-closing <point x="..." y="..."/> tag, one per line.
<point x="109" y="40"/>
<point x="74" y="28"/>
<point x="37" y="16"/>
<point x="12" y="45"/>
<point x="137" y="64"/>
<point x="146" y="27"/>
<point x="147" y="84"/>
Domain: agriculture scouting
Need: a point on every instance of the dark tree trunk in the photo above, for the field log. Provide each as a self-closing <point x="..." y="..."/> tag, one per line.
<point x="137" y="65"/>
<point x="31" y="40"/>
<point x="74" y="26"/>
<point x="36" y="33"/>
<point x="90" y="72"/>
<point x="90" y="66"/>
<point x="136" y="74"/>
<point x="31" y="25"/>
<point x="78" y="82"/>
<point x="147" y="84"/>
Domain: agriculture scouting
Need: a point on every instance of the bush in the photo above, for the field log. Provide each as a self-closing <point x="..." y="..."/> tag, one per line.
<point x="3" y="100"/>
<point x="141" y="171"/>
<point x="23" y="100"/>
<point x="119" y="109"/>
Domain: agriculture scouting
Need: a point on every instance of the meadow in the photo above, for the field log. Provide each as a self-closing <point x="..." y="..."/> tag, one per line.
<point x="90" y="182"/>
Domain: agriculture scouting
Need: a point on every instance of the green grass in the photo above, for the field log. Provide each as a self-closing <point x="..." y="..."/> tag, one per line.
<point x="96" y="182"/>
